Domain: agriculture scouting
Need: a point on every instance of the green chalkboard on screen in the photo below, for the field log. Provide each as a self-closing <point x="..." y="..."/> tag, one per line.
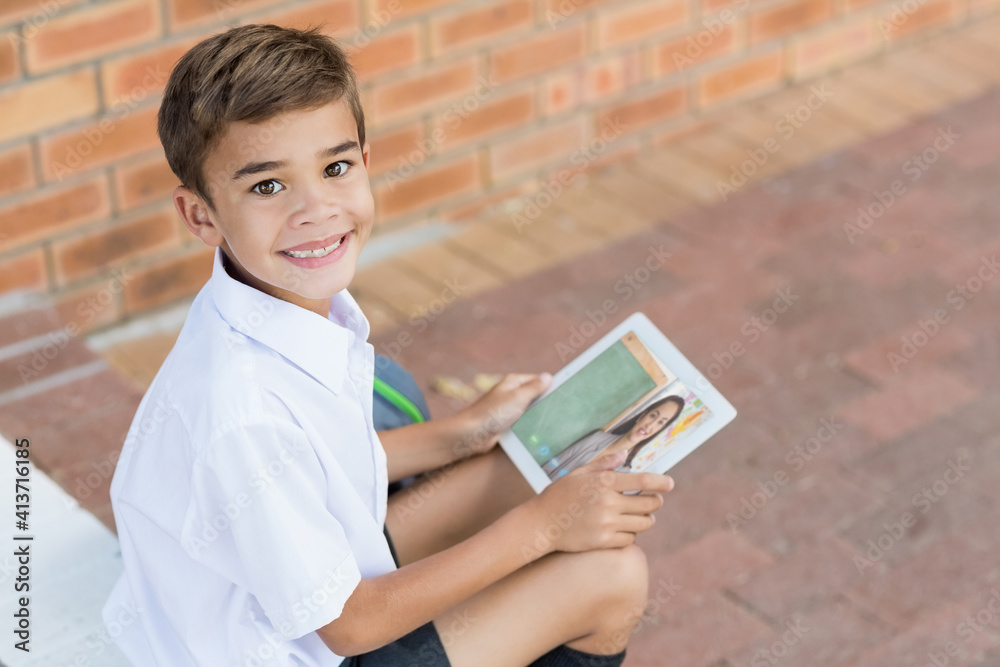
<point x="592" y="398"/>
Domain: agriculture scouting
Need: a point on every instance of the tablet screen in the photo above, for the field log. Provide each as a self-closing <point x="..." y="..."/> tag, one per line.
<point x="624" y="398"/>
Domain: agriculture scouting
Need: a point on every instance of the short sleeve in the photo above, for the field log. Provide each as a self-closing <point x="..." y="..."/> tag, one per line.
<point x="258" y="515"/>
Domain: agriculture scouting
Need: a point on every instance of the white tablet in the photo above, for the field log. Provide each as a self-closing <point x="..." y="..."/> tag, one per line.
<point x="632" y="390"/>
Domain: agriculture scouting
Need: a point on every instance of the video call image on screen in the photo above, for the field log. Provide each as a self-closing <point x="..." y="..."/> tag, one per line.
<point x="624" y="392"/>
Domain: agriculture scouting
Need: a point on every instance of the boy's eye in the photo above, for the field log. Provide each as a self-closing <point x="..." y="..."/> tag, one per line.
<point x="336" y="169"/>
<point x="268" y="187"/>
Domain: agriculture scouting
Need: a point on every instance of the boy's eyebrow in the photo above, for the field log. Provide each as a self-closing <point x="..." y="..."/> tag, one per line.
<point x="257" y="167"/>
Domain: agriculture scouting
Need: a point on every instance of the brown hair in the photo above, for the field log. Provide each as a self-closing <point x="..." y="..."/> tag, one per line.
<point x="249" y="73"/>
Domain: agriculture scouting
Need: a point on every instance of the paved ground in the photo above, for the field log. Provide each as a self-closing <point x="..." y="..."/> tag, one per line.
<point x="871" y="397"/>
<point x="881" y="442"/>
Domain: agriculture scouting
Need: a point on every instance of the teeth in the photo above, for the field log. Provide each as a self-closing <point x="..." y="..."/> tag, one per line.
<point x="319" y="252"/>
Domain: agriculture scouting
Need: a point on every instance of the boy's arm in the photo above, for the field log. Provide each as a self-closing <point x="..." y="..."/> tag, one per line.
<point x="383" y="609"/>
<point x="417" y="448"/>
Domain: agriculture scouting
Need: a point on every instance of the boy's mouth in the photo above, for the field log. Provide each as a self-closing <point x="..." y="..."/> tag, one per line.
<point x="316" y="252"/>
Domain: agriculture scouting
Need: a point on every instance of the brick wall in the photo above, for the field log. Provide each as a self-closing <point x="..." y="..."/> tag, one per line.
<point x="469" y="103"/>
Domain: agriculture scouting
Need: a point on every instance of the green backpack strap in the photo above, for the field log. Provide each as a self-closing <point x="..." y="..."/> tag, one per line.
<point x="390" y="393"/>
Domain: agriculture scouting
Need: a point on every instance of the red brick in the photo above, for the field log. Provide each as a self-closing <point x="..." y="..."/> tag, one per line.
<point x="427" y="187"/>
<point x="484" y="204"/>
<point x="475" y="26"/>
<point x="557" y="11"/>
<point x="895" y="23"/>
<point x="17" y="171"/>
<point x="95" y="305"/>
<point x="186" y="13"/>
<point x="540" y="54"/>
<point x="908" y="403"/>
<point x="94" y="252"/>
<point x="562" y="92"/>
<point x="10" y="67"/>
<point x="387" y="52"/>
<point x="25" y="271"/>
<point x="832" y="48"/>
<point x="390" y="150"/>
<point x="335" y="18"/>
<point x="826" y="637"/>
<point x="813" y="573"/>
<point x="136" y="76"/>
<point x="719" y="559"/>
<point x="644" y="111"/>
<point x="92" y="32"/>
<point x="948" y="571"/>
<point x="914" y="644"/>
<point x="606" y="79"/>
<point x="112" y="138"/>
<point x="777" y="21"/>
<point x="399" y="8"/>
<point x="488" y="119"/>
<point x="751" y="76"/>
<point x="693" y="49"/>
<point x="636" y="22"/>
<point x="549" y="144"/>
<point x="48" y="101"/>
<point x="53" y="355"/>
<point x="53" y="210"/>
<point x="142" y="182"/>
<point x="700" y="633"/>
<point x="874" y="362"/>
<point x="169" y="280"/>
<point x="30" y="13"/>
<point x="421" y="92"/>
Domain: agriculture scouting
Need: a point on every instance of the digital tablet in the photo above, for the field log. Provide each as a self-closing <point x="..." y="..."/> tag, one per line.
<point x="630" y="391"/>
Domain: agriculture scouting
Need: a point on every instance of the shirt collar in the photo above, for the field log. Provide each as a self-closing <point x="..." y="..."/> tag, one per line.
<point x="318" y="346"/>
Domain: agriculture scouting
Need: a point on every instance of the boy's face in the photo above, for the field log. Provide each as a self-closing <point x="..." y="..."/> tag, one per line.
<point x="287" y="191"/>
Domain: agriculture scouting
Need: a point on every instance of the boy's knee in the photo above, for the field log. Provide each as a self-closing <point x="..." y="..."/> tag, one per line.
<point x="624" y="572"/>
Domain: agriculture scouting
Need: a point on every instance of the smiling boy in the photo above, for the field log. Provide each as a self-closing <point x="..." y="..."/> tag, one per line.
<point x="250" y="497"/>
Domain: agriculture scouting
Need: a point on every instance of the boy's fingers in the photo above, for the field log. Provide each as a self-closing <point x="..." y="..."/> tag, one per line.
<point x="641" y="504"/>
<point x="643" y="481"/>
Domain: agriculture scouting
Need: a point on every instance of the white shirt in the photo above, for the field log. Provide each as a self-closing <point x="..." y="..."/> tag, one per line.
<point x="250" y="496"/>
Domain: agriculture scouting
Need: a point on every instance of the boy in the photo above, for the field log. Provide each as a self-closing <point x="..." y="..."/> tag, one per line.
<point x="250" y="497"/>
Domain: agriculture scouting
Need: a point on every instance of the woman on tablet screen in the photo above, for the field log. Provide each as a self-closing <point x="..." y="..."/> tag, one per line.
<point x="632" y="435"/>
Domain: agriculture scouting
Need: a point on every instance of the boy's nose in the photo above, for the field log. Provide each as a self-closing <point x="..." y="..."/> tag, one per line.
<point x="314" y="205"/>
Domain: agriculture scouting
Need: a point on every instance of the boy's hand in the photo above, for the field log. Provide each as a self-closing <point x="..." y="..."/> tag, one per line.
<point x="586" y="509"/>
<point x="501" y="406"/>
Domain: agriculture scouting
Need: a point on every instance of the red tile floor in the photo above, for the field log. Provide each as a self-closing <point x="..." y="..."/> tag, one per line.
<point x="873" y="398"/>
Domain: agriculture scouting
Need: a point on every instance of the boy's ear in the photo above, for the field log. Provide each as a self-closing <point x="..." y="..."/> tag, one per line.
<point x="365" y="154"/>
<point x="194" y="213"/>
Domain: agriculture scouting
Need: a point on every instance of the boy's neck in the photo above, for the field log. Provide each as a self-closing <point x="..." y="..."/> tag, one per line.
<point x="233" y="270"/>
